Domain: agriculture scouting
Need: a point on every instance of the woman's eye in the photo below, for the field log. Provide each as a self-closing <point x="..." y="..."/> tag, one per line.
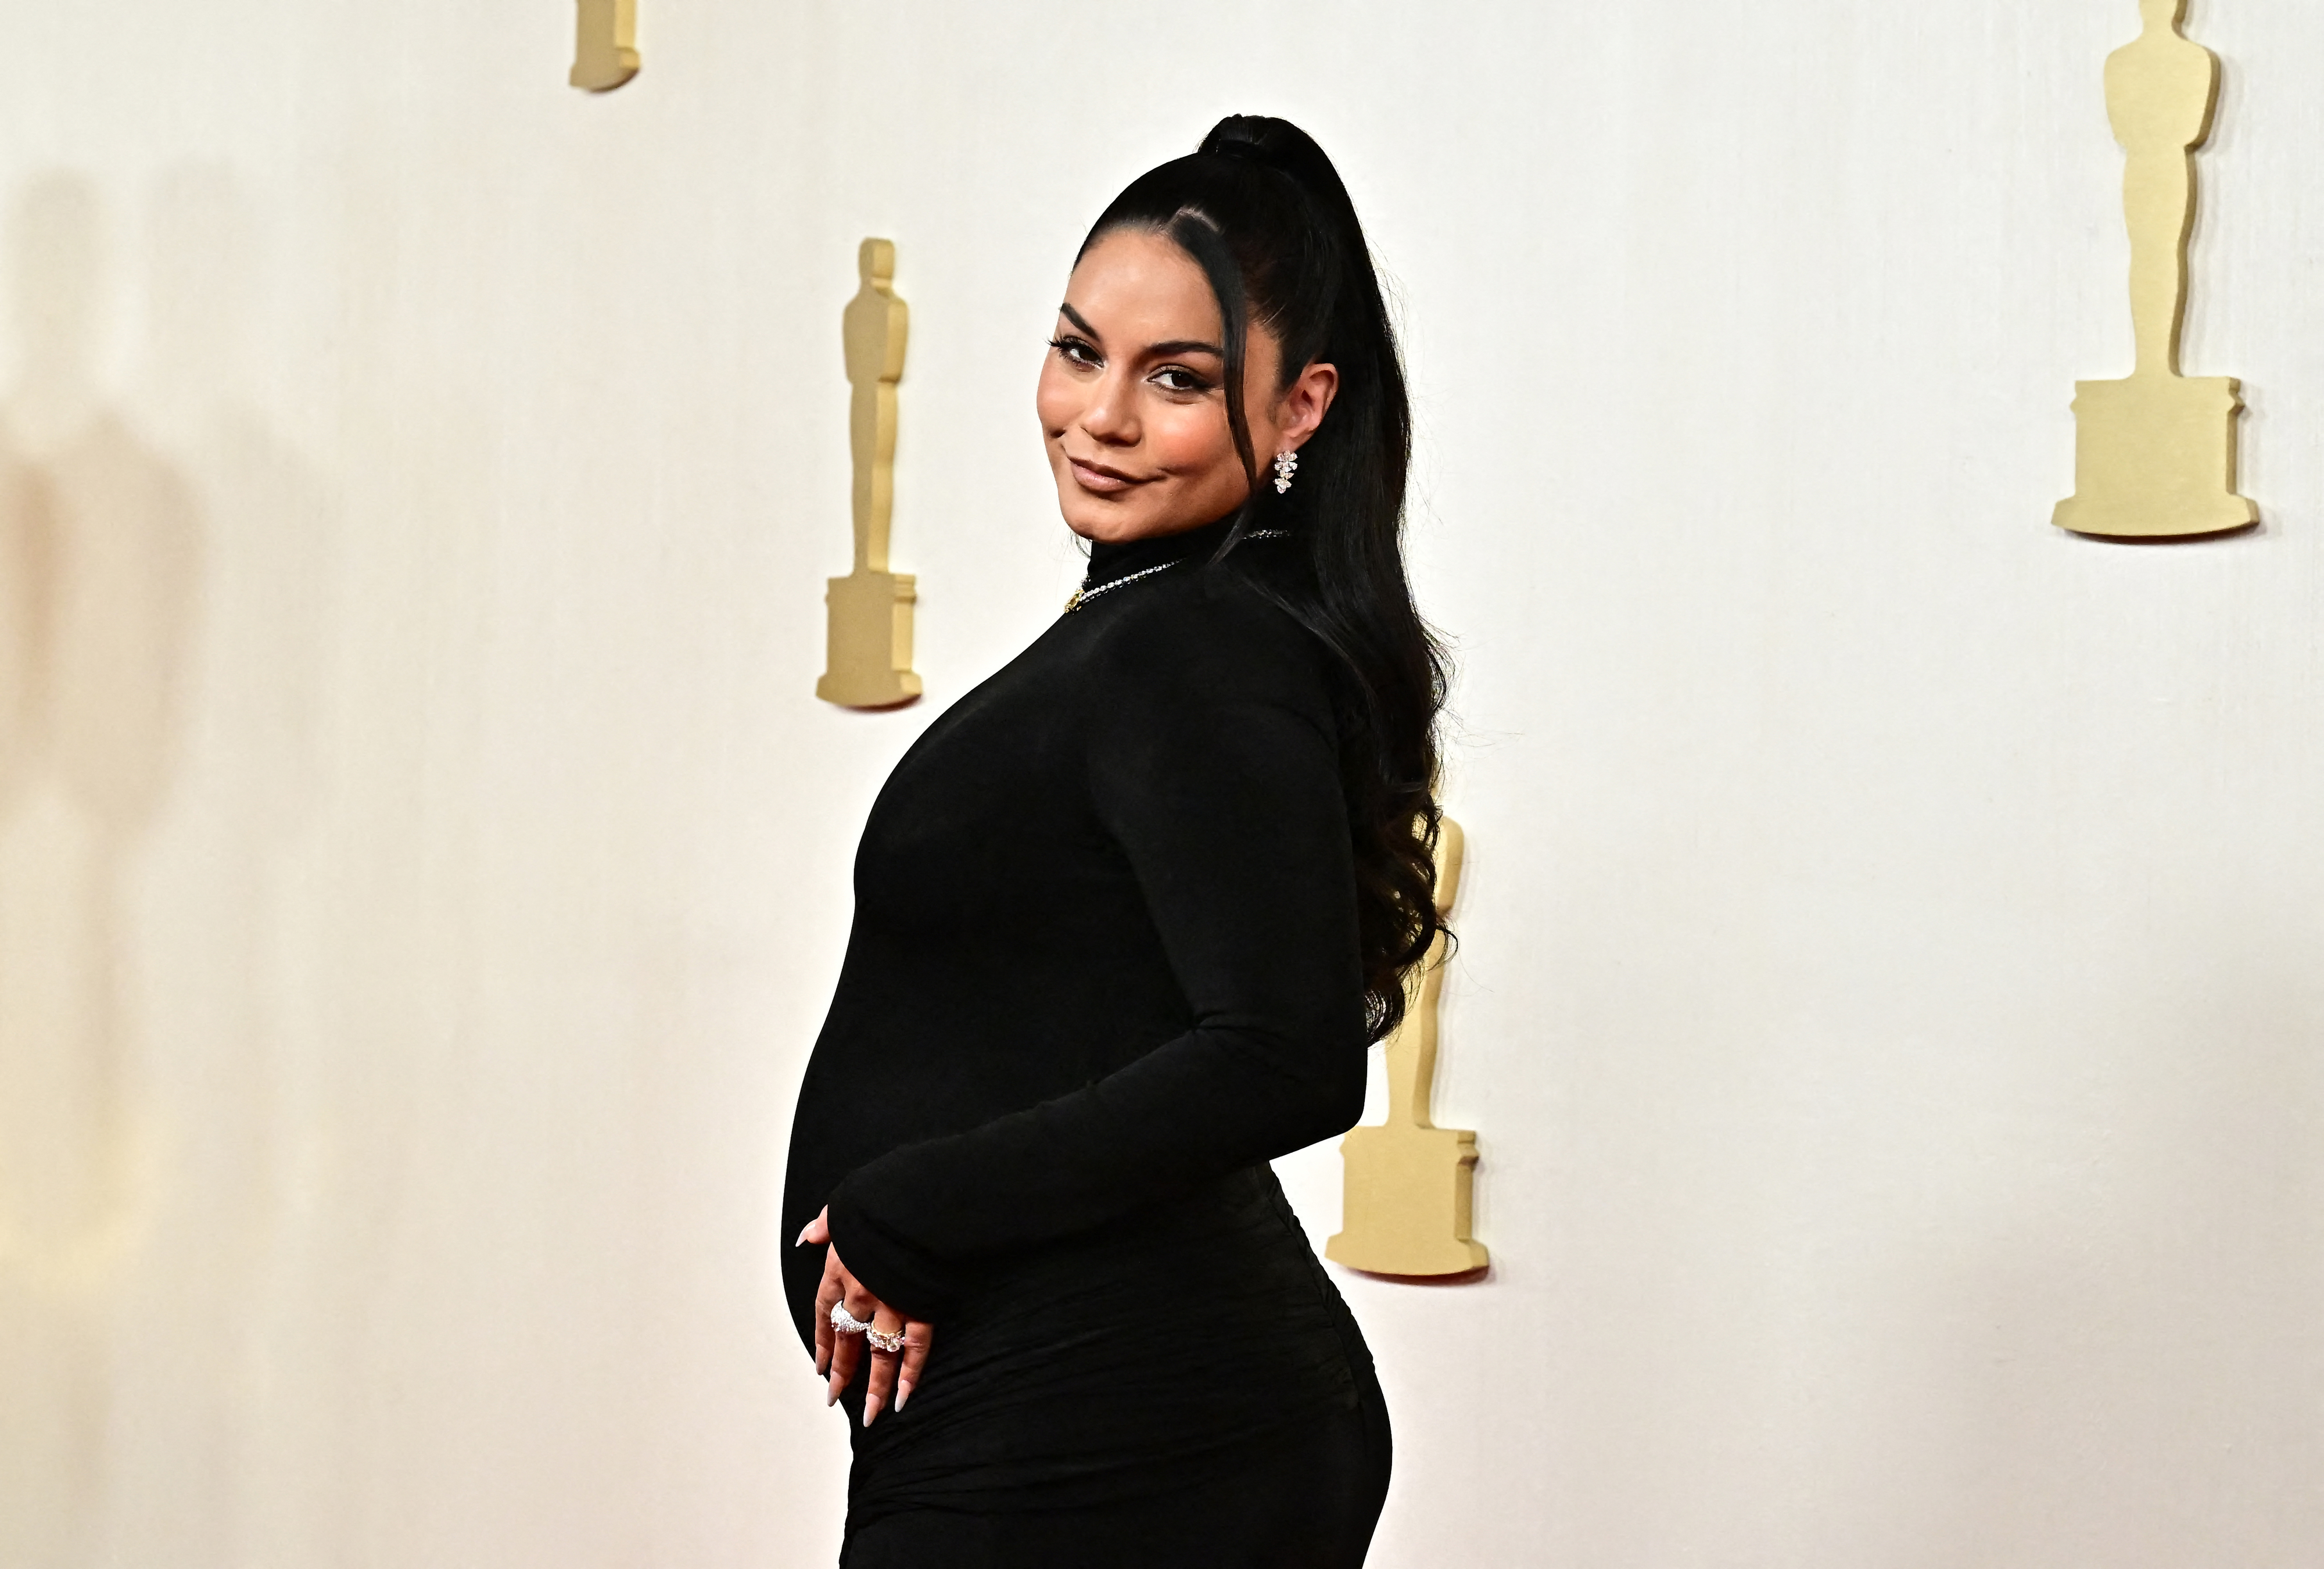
<point x="1074" y="351"/>
<point x="1176" y="379"/>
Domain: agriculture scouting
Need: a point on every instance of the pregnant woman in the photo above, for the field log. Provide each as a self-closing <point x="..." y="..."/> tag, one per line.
<point x="1128" y="916"/>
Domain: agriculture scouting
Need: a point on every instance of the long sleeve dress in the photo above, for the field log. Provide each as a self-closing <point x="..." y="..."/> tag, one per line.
<point x="1103" y="967"/>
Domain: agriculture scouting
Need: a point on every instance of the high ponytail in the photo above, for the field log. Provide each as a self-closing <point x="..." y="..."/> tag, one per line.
<point x="1260" y="208"/>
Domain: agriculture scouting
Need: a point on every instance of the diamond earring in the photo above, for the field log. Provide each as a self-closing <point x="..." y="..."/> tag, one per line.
<point x="1287" y="464"/>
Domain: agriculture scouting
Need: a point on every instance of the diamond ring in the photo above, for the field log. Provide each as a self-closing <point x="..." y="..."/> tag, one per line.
<point x="846" y="1323"/>
<point x="882" y="1340"/>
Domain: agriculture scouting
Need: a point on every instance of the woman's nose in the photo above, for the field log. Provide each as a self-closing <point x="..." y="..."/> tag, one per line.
<point x="1111" y="414"/>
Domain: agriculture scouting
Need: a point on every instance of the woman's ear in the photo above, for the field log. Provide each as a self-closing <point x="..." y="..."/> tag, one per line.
<point x="1305" y="402"/>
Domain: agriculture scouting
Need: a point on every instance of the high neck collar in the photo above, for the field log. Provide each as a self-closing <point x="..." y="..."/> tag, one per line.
<point x="1109" y="560"/>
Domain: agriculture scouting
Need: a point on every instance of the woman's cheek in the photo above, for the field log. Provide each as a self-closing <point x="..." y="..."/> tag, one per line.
<point x="1053" y="399"/>
<point x="1187" y="440"/>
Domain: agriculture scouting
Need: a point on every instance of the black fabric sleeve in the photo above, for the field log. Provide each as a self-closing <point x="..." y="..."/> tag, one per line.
<point x="1211" y="761"/>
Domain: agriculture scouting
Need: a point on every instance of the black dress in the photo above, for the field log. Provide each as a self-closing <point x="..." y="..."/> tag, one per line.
<point x="1103" y="967"/>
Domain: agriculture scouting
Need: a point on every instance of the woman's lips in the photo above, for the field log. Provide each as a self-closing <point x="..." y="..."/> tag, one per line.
<point x="1090" y="476"/>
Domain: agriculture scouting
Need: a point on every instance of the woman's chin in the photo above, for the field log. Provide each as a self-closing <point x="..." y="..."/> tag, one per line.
<point x="1100" y="518"/>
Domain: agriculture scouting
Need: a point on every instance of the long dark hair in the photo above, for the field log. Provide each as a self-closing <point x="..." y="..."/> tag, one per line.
<point x="1263" y="211"/>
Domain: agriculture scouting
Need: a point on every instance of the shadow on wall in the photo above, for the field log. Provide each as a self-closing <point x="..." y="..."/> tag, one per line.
<point x="101" y="549"/>
<point x="161" y="615"/>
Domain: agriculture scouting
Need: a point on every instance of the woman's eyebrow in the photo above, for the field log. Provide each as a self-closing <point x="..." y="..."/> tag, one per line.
<point x="1180" y="346"/>
<point x="1176" y="346"/>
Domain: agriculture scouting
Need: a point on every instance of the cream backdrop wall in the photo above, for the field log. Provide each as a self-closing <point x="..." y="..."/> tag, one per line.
<point x="1889" y="999"/>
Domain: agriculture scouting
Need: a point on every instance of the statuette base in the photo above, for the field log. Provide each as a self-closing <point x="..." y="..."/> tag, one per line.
<point x="869" y="644"/>
<point x="604" y="51"/>
<point x="1407" y="1209"/>
<point x="2154" y="458"/>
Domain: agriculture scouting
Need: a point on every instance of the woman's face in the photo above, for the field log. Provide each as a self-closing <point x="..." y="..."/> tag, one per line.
<point x="1132" y="402"/>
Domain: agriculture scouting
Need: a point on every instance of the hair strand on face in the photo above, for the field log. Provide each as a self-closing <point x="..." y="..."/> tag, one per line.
<point x="1199" y="237"/>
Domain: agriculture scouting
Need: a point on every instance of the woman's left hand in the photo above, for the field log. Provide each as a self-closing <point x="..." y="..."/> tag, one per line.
<point x="837" y="1354"/>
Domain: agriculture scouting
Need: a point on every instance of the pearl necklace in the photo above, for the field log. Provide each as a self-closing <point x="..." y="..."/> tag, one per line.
<point x="1085" y="594"/>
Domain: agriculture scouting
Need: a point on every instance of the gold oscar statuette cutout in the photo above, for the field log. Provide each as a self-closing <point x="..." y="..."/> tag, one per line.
<point x="2154" y="456"/>
<point x="870" y="646"/>
<point x="605" y="48"/>
<point x="1408" y="1181"/>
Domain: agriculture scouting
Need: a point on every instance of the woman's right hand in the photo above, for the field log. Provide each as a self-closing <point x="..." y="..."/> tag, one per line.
<point x="837" y="1354"/>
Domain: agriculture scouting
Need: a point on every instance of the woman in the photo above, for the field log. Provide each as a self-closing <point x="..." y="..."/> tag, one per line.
<point x="1127" y="918"/>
